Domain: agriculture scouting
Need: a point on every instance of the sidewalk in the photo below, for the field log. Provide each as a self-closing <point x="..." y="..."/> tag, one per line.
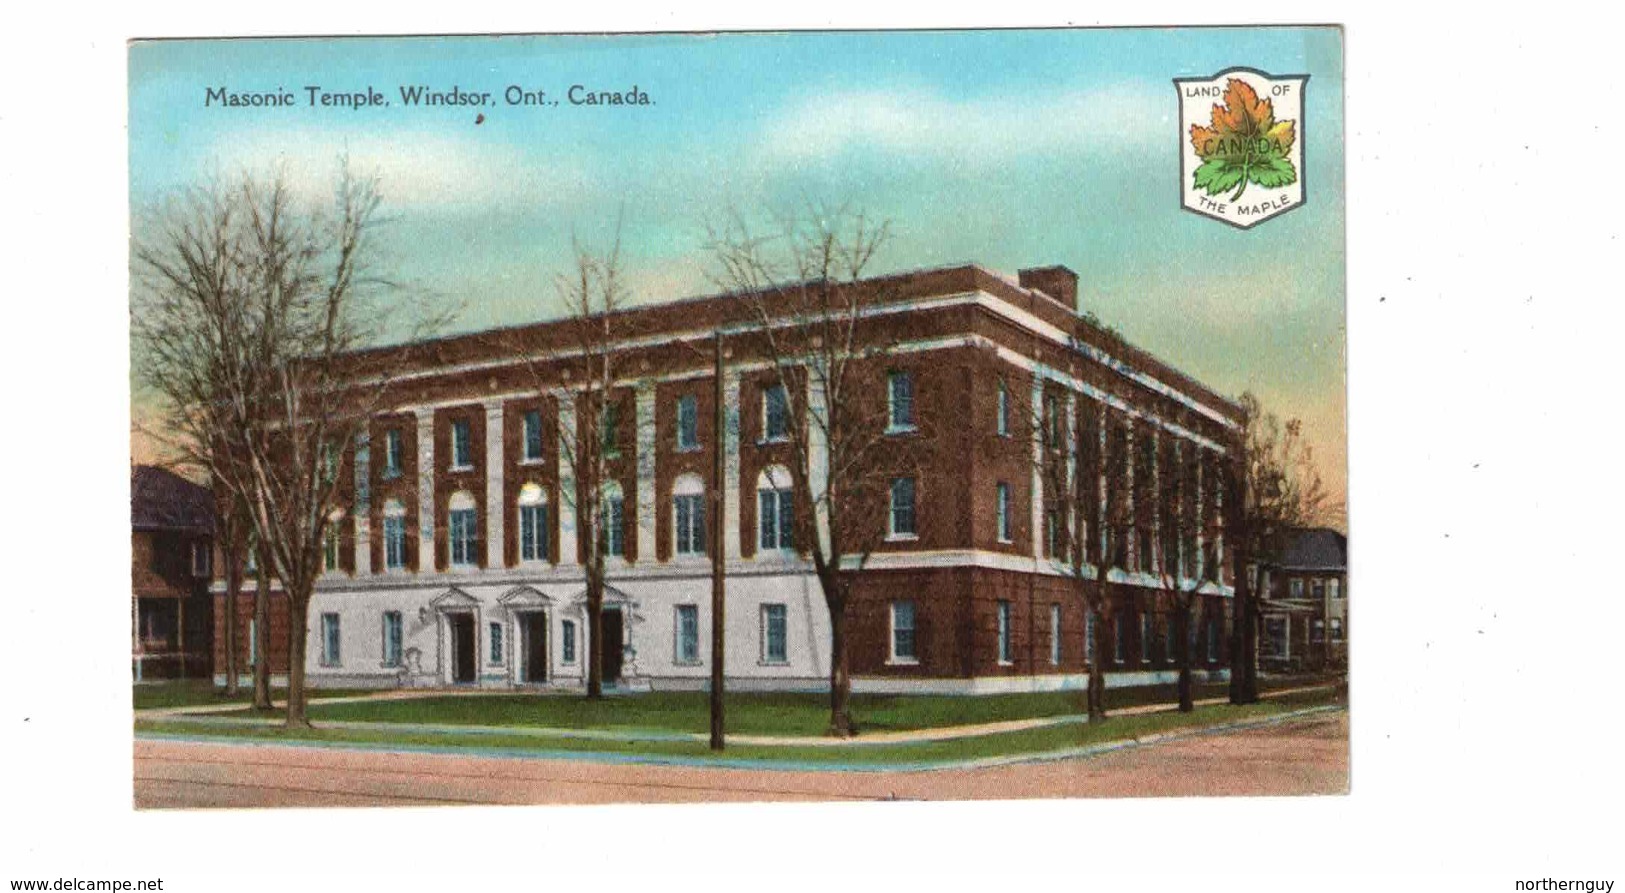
<point x="209" y="714"/>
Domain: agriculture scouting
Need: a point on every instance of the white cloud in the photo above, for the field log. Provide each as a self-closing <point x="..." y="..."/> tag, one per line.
<point x="418" y="171"/>
<point x="983" y="130"/>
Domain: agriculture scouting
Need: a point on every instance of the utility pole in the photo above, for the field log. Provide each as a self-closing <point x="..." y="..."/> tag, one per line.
<point x="718" y="481"/>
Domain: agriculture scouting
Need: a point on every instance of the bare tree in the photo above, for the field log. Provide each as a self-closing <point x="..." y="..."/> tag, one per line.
<point x="190" y="285"/>
<point x="1272" y="486"/>
<point x="1188" y="551"/>
<point x="1079" y="458"/>
<point x="803" y="282"/>
<point x="580" y="373"/>
<point x="252" y="309"/>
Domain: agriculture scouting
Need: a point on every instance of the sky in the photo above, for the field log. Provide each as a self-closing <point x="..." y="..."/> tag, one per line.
<point x="1010" y="148"/>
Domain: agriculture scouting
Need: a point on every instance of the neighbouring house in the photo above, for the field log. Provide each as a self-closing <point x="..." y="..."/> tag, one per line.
<point x="1305" y="609"/>
<point x="457" y="562"/>
<point x="171" y="562"/>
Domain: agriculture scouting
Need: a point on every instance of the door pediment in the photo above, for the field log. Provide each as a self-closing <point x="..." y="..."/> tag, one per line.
<point x="522" y="597"/>
<point x="454" y="599"/>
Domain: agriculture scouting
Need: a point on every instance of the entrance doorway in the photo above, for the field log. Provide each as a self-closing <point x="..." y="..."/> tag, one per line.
<point x="613" y="628"/>
<point x="463" y="648"/>
<point x="533" y="647"/>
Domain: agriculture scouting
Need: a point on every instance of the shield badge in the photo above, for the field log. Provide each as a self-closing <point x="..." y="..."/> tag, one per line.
<point x="1241" y="145"/>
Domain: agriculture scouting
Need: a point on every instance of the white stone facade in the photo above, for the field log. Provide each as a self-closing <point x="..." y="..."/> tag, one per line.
<point x="650" y="631"/>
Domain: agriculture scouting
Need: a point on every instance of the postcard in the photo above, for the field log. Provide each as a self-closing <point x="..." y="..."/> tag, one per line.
<point x="813" y="415"/>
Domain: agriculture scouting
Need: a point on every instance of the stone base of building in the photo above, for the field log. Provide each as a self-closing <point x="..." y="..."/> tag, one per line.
<point x="973" y="630"/>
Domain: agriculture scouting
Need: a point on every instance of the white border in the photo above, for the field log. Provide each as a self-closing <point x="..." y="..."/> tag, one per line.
<point x="1475" y="272"/>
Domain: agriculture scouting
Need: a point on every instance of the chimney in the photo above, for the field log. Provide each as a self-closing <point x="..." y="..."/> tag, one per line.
<point x="1058" y="283"/>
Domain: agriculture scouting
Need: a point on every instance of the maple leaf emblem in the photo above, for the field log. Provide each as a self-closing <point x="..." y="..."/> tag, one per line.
<point x="1245" y="144"/>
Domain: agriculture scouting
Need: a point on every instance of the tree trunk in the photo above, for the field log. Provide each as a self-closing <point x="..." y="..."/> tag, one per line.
<point x="1243" y="643"/>
<point x="1097" y="671"/>
<point x="595" y="634"/>
<point x="234" y="585"/>
<point x="840" y="678"/>
<point x="298" y="613"/>
<point x="1182" y="641"/>
<point x="719" y="595"/>
<point x="262" y="638"/>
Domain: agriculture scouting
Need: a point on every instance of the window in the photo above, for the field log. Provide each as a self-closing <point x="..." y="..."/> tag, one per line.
<point x="1145" y="638"/>
<point x="392" y="638"/>
<point x="1212" y="639"/>
<point x="392" y="453"/>
<point x="1318" y="631"/>
<point x="251" y="556"/>
<point x="1144" y="550"/>
<point x="775" y="414"/>
<point x="330" y="640"/>
<point x="1336" y="586"/>
<point x="1119" y="647"/>
<point x="496" y="643"/>
<point x="330" y="548"/>
<point x="1275" y="630"/>
<point x="200" y="558"/>
<point x="462" y="444"/>
<point x="394" y="535"/>
<point x="775" y="516"/>
<point x="900" y="401"/>
<point x="1296" y="587"/>
<point x="464" y="530"/>
<point x="1319" y="589"/>
<point x="774" y="640"/>
<point x="1337" y="629"/>
<point x="688" y="423"/>
<point x="902" y="507"/>
<point x="1052" y="531"/>
<point x="533" y="436"/>
<point x="1005" y="650"/>
<point x="902" y="632"/>
<point x="1003" y="509"/>
<point x="1088" y="636"/>
<point x="567" y="642"/>
<point x="1004" y="409"/>
<point x="1055" y="634"/>
<point x="688" y="504"/>
<point x="1169" y="642"/>
<point x="613" y="517"/>
<point x="533" y="533"/>
<point x="363" y="483"/>
<point x="609" y="430"/>
<point x="688" y="634"/>
<point x="330" y="463"/>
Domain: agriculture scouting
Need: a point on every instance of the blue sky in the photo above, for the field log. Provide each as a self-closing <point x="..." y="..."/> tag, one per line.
<point x="1009" y="148"/>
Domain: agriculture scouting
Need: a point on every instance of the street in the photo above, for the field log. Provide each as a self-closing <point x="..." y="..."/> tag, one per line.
<point x="1307" y="756"/>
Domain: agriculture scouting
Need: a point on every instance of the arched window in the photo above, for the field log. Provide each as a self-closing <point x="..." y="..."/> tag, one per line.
<point x="533" y="537"/>
<point x="612" y="518"/>
<point x="688" y="507"/>
<point x="775" y="513"/>
<point x="462" y="523"/>
<point x="394" y="535"/>
<point x="330" y="541"/>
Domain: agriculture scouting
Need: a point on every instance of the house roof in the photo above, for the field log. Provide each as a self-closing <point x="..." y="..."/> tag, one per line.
<point x="1315" y="548"/>
<point x="163" y="500"/>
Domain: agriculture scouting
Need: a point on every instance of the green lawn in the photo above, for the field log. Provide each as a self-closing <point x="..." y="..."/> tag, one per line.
<point x="750" y="714"/>
<point x="747" y="714"/>
<point x="1032" y="741"/>
<point x="197" y="692"/>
